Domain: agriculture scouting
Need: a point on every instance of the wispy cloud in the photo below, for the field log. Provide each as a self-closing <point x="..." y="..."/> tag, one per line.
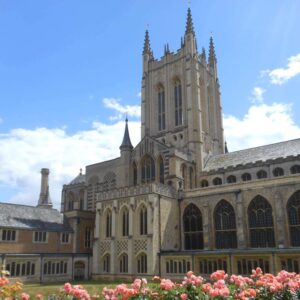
<point x="282" y="75"/>
<point x="263" y="124"/>
<point x="1" y="120"/>
<point x="121" y="110"/>
<point x="24" y="152"/>
<point x="257" y="94"/>
<point x="139" y="95"/>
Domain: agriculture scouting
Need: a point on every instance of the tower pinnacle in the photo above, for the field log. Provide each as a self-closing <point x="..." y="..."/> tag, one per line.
<point x="212" y="55"/>
<point x="126" y="143"/>
<point x="147" y="47"/>
<point x="189" y="23"/>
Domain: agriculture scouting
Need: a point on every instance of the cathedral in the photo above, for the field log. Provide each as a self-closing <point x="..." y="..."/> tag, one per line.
<point x="178" y="200"/>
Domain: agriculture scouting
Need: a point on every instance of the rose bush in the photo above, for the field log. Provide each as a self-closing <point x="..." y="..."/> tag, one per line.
<point x="259" y="286"/>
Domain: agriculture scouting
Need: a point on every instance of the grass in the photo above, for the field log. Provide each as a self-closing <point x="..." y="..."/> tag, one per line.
<point x="93" y="287"/>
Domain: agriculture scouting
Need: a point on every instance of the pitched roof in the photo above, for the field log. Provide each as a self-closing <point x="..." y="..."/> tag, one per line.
<point x="33" y="218"/>
<point x="252" y="155"/>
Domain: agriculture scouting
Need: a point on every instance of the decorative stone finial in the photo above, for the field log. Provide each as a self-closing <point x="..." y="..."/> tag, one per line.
<point x="189" y="23"/>
<point x="147" y="47"/>
<point x="226" y="149"/>
<point x="212" y="59"/>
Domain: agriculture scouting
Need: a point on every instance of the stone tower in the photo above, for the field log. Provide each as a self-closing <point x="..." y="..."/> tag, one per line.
<point x="181" y="103"/>
<point x="45" y="200"/>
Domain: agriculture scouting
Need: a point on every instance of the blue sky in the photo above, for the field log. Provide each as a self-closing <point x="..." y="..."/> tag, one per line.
<point x="69" y="70"/>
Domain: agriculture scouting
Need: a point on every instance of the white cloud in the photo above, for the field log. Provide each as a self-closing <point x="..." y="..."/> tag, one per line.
<point x="121" y="110"/>
<point x="24" y="152"/>
<point x="282" y="75"/>
<point x="257" y="94"/>
<point x="263" y="124"/>
<point x="1" y="120"/>
<point x="139" y="94"/>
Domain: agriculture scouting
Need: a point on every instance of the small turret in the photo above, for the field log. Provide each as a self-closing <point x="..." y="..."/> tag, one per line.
<point x="226" y="149"/>
<point x="189" y="36"/>
<point x="212" y="59"/>
<point x="147" y="52"/>
<point x="147" y="47"/>
<point x="45" y="200"/>
<point x="126" y="143"/>
<point x="203" y="56"/>
<point x="189" y="23"/>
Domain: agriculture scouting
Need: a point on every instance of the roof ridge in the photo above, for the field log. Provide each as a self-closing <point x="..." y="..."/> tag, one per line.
<point x="262" y="146"/>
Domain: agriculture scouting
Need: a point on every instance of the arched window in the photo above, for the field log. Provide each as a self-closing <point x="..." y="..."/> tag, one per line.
<point x="123" y="263"/>
<point x="295" y="169"/>
<point x="278" y="172"/>
<point x="134" y="170"/>
<point x="106" y="263"/>
<point x="148" y="169"/>
<point x="246" y="177"/>
<point x="191" y="177"/>
<point x="125" y="222"/>
<point x="178" y="103"/>
<point x="161" y="108"/>
<point x="193" y="228"/>
<point x="81" y="200"/>
<point x="184" y="177"/>
<point x="231" y="179"/>
<point x="261" y="174"/>
<point x="108" y="224"/>
<point x="142" y="264"/>
<point x="143" y="220"/>
<point x="225" y="226"/>
<point x="70" y="201"/>
<point x="261" y="223"/>
<point x="293" y="210"/>
<point x="204" y="183"/>
<point x="161" y="170"/>
<point x="217" y="181"/>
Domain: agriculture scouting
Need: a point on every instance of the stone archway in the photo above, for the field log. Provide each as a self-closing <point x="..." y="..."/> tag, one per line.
<point x="79" y="270"/>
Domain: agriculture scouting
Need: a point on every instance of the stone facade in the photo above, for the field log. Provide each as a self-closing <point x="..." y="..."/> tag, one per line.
<point x="178" y="200"/>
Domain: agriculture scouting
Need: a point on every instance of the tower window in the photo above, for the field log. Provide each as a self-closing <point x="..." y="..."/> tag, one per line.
<point x="148" y="169"/>
<point x="108" y="224"/>
<point x="161" y="170"/>
<point x="125" y="222"/>
<point x="178" y="103"/>
<point x="143" y="221"/>
<point x="161" y="109"/>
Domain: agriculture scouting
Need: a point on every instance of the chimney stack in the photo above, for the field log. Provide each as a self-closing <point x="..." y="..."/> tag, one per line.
<point x="44" y="200"/>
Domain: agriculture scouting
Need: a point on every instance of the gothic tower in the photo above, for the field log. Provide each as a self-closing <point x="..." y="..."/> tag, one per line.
<point x="181" y="104"/>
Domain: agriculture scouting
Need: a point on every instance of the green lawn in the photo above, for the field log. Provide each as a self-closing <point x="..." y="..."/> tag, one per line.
<point x="93" y="287"/>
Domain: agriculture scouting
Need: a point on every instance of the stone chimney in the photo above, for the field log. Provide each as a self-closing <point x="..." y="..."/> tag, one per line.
<point x="44" y="200"/>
